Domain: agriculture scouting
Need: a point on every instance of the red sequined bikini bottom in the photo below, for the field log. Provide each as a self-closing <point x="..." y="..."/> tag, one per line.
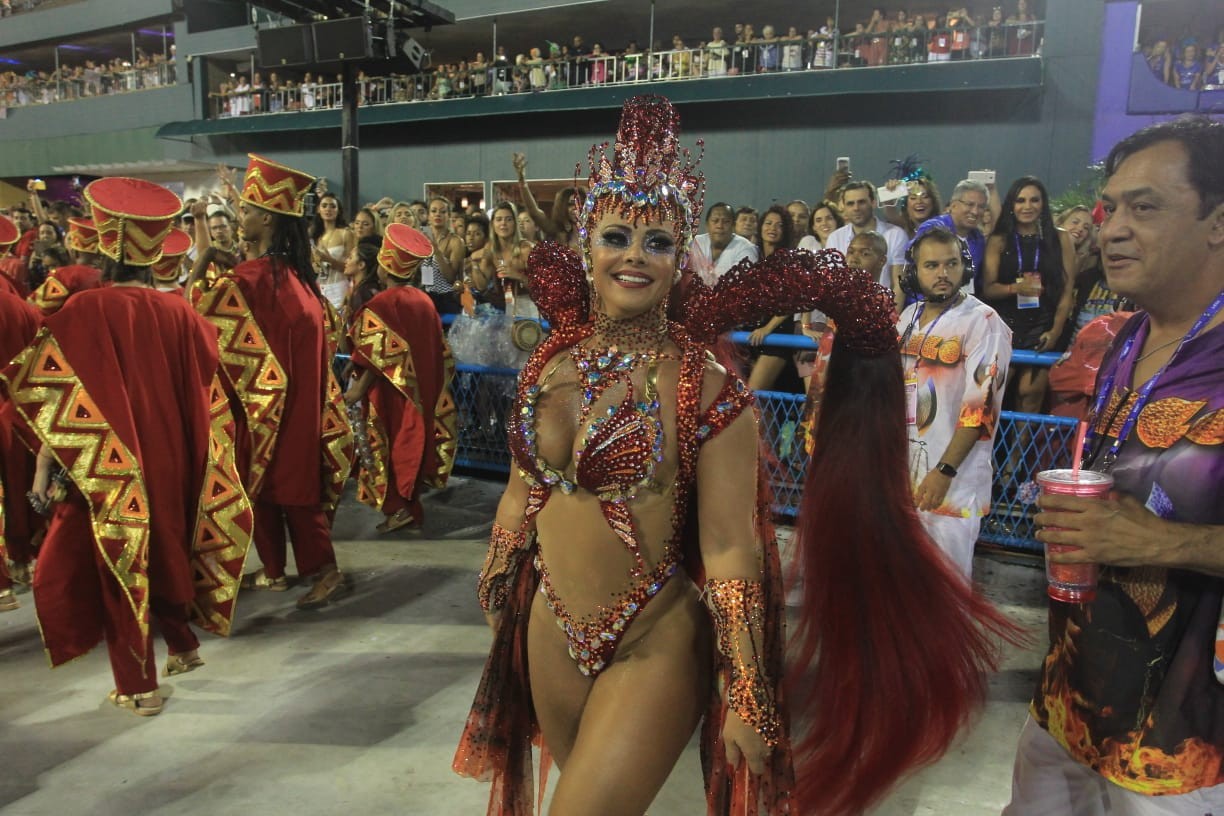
<point x="593" y="642"/>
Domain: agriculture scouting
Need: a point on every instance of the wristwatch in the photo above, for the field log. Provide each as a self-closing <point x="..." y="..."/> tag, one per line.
<point x="946" y="469"/>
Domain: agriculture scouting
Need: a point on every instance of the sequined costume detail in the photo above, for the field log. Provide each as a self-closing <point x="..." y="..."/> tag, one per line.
<point x="593" y="640"/>
<point x="738" y="609"/>
<point x="618" y="451"/>
<point x="506" y="551"/>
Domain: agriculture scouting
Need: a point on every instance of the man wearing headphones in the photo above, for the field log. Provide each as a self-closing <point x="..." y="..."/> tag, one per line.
<point x="955" y="351"/>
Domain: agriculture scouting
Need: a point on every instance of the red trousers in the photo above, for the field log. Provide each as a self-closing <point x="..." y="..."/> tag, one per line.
<point x="17" y="473"/>
<point x="407" y="439"/>
<point x="309" y="530"/>
<point x="394" y="502"/>
<point x="79" y="602"/>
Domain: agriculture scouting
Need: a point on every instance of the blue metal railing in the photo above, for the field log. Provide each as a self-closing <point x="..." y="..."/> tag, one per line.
<point x="1024" y="444"/>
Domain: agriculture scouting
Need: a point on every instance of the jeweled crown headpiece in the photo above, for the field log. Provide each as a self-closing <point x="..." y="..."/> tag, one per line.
<point x="649" y="175"/>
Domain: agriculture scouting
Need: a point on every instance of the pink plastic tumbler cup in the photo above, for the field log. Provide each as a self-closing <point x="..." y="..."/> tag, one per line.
<point x="1072" y="583"/>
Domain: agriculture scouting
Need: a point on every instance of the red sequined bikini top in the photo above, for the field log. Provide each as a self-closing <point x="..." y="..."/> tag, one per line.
<point x="621" y="446"/>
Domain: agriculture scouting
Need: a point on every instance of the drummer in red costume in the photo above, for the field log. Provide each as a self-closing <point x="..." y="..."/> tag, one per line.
<point x="12" y="269"/>
<point x="409" y="443"/>
<point x="84" y="273"/>
<point x="295" y="444"/>
<point x="168" y="271"/>
<point x="150" y="522"/>
<point x="18" y="325"/>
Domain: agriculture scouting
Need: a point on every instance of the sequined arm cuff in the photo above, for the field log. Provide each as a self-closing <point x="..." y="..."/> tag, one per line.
<point x="506" y="550"/>
<point x="738" y="609"/>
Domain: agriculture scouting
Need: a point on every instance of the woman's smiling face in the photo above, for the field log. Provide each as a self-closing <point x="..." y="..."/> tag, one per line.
<point x="633" y="266"/>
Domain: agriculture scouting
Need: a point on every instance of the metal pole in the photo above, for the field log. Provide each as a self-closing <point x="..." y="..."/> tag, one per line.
<point x="59" y="80"/>
<point x="650" y="45"/>
<point x="165" y="45"/>
<point x="349" y="149"/>
<point x="133" y="50"/>
<point x="836" y="35"/>
<point x="494" y="52"/>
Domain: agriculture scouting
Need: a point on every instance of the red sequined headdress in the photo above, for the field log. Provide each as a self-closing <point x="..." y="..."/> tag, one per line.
<point x="648" y="176"/>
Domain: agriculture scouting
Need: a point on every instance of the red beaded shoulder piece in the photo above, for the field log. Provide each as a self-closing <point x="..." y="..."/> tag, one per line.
<point x="731" y="401"/>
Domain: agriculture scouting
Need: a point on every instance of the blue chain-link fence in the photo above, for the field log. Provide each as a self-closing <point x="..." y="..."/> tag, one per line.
<point x="1025" y="443"/>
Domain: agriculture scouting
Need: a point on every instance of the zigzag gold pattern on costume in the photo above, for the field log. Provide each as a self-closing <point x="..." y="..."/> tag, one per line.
<point x="282" y="195"/>
<point x="81" y="242"/>
<point x="389" y="353"/>
<point x="333" y="328"/>
<point x="50" y="297"/>
<point x="47" y="393"/>
<point x="373" y="483"/>
<point x="129" y="239"/>
<point x="252" y="370"/>
<point x="339" y="448"/>
<point x="446" y="424"/>
<point x="224" y="522"/>
<point x="392" y="356"/>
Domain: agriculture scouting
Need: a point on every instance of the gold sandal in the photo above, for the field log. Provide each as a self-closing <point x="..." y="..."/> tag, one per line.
<point x="8" y="601"/>
<point x="176" y="664"/>
<point x="400" y="520"/>
<point x="329" y="586"/>
<point x="259" y="580"/>
<point x="132" y="702"/>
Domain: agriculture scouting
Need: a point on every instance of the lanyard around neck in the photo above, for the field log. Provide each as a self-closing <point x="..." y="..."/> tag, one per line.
<point x="1020" y="256"/>
<point x="1145" y="391"/>
<point x="914" y="324"/>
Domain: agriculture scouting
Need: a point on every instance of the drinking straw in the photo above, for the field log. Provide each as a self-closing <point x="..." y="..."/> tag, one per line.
<point x="1077" y="452"/>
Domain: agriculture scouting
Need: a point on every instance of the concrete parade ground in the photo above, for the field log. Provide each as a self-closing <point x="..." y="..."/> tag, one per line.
<point x="356" y="708"/>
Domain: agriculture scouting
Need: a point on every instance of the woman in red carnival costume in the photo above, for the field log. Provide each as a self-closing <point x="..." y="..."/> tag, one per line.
<point x="660" y="595"/>
<point x="150" y="520"/>
<point x="295" y="447"/>
<point x="406" y="371"/>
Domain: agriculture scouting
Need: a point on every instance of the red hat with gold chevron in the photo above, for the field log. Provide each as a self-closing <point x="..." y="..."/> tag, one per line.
<point x="275" y="187"/>
<point x="9" y="234"/>
<point x="402" y="251"/>
<point x="82" y="236"/>
<point x="177" y="244"/>
<point x="132" y="217"/>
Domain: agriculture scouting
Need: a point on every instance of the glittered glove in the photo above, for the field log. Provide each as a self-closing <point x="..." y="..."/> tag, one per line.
<point x="737" y="607"/>
<point x="507" y="548"/>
